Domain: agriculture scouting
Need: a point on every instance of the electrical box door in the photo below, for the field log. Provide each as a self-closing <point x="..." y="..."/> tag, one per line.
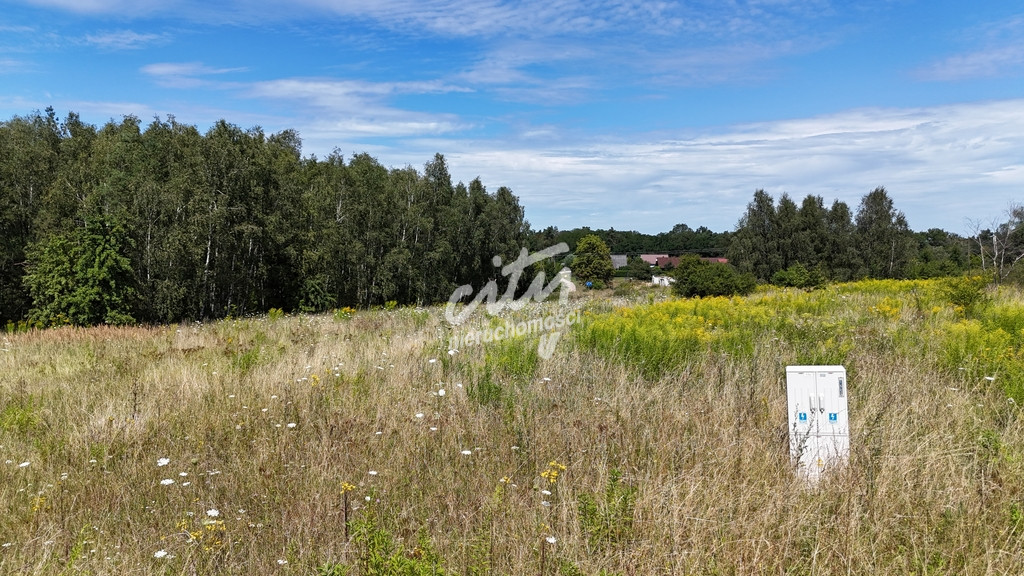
<point x="819" y="425"/>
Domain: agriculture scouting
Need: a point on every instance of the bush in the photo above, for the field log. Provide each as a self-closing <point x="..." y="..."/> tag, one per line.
<point x="967" y="293"/>
<point x="798" y="276"/>
<point x="695" y="277"/>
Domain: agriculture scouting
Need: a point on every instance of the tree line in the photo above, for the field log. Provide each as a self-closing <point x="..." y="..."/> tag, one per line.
<point x="775" y="240"/>
<point x="161" y="223"/>
<point x="680" y="239"/>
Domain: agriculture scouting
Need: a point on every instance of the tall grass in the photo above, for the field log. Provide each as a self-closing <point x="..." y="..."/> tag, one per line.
<point x="668" y="417"/>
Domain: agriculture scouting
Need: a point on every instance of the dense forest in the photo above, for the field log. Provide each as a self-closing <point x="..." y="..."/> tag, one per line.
<point x="160" y="223"/>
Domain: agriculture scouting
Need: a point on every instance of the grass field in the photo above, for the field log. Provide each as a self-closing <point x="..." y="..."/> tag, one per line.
<point x="653" y="441"/>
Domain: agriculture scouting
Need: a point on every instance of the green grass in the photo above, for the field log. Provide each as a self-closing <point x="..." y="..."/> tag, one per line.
<point x="668" y="415"/>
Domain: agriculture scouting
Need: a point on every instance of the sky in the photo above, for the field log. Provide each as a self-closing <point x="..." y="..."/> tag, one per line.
<point x="599" y="113"/>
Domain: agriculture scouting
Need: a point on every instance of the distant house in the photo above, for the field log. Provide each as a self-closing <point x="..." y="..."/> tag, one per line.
<point x="673" y="261"/>
<point x="619" y="261"/>
<point x="667" y="262"/>
<point x="662" y="280"/>
<point x="652" y="259"/>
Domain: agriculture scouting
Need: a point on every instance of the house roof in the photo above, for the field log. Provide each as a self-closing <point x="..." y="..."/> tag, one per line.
<point x="652" y="259"/>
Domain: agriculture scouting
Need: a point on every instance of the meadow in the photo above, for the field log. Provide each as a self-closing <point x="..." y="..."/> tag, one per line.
<point x="653" y="441"/>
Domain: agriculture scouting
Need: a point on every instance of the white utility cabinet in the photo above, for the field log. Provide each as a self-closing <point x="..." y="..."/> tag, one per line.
<point x="819" y="423"/>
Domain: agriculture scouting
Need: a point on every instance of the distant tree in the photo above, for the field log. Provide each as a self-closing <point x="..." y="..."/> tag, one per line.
<point x="593" y="260"/>
<point x="812" y="232"/>
<point x="840" y="251"/>
<point x="696" y="277"/>
<point x="884" y="240"/>
<point x="1001" y="247"/>
<point x="798" y="276"/>
<point x="786" y="232"/>
<point x="755" y="244"/>
<point x="939" y="253"/>
<point x="639" y="269"/>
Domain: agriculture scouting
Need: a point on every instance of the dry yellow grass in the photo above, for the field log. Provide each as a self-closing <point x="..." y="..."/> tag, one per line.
<point x="263" y="421"/>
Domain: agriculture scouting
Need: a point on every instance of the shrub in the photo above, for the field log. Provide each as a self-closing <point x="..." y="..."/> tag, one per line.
<point x="695" y="277"/>
<point x="967" y="293"/>
<point x="798" y="276"/>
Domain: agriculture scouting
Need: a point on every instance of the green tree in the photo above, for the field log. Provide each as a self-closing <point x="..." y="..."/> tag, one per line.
<point x="82" y="277"/>
<point x="638" y="268"/>
<point x="696" y="277"/>
<point x="883" y="238"/>
<point x="28" y="156"/>
<point x="812" y="233"/>
<point x="593" y="260"/>
<point x="786" y="233"/>
<point x="798" y="276"/>
<point x="755" y="245"/>
<point x="840" y="258"/>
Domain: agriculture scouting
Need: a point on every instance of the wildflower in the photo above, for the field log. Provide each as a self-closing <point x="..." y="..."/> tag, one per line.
<point x="282" y="561"/>
<point x="292" y="424"/>
<point x="159" y="461"/>
<point x="419" y="414"/>
<point x="213" y="512"/>
<point x="160" y="554"/>
<point x="166" y="482"/>
<point x="346" y="487"/>
<point x="182" y="474"/>
<point x="467" y="452"/>
<point x="432" y="360"/>
<point x="441" y="392"/>
<point x="551" y="474"/>
<point x="551" y="539"/>
<point x="372" y="472"/>
<point x="546" y="492"/>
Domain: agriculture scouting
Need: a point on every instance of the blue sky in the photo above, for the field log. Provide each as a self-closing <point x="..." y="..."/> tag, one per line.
<point x="600" y="113"/>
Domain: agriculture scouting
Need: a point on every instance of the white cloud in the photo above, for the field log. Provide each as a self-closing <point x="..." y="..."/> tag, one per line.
<point x="355" y="108"/>
<point x="8" y="65"/>
<point x="184" y="74"/>
<point x="990" y="63"/>
<point x="124" y="8"/>
<point x="997" y="50"/>
<point x="940" y="165"/>
<point x="123" y="40"/>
